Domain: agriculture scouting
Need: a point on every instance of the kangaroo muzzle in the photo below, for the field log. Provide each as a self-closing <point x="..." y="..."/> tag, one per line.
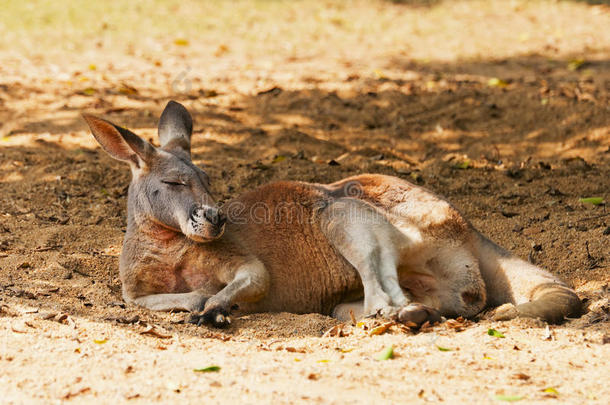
<point x="205" y="223"/>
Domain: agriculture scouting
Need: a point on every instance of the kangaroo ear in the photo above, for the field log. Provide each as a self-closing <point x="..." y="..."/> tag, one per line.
<point x="121" y="143"/>
<point x="175" y="129"/>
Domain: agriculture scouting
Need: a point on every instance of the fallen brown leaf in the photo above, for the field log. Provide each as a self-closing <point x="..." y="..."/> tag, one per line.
<point x="458" y="324"/>
<point x="381" y="329"/>
<point x="352" y="317"/>
<point x="335" y="331"/>
<point x="152" y="331"/>
<point x="521" y="376"/>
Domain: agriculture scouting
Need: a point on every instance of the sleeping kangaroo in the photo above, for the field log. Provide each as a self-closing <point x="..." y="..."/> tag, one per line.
<point x="370" y="244"/>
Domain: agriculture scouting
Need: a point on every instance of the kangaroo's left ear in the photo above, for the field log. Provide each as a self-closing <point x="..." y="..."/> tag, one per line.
<point x="175" y="129"/>
<point x="120" y="143"/>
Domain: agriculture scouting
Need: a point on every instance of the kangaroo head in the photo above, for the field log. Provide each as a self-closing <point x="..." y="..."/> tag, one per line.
<point x="166" y="187"/>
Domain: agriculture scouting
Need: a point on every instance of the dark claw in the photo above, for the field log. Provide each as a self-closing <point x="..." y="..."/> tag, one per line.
<point x="418" y="314"/>
<point x="217" y="317"/>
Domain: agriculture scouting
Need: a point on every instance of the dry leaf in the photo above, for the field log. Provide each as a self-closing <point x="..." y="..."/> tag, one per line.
<point x="458" y="324"/>
<point x="65" y="319"/>
<point x="221" y="50"/>
<point x="495" y="82"/>
<point x="181" y="41"/>
<point x="352" y="317"/>
<point x="335" y="331"/>
<point x="127" y="89"/>
<point x="425" y="327"/>
<point x="381" y="329"/>
<point x="152" y="331"/>
<point x="551" y="392"/>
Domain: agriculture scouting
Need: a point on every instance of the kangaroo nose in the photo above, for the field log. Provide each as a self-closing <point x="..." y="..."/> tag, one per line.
<point x="214" y="216"/>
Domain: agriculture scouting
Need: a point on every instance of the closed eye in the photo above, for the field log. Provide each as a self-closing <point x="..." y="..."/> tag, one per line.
<point x="174" y="183"/>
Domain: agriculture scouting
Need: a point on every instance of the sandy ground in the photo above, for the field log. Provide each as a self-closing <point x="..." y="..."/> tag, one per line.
<point x="501" y="106"/>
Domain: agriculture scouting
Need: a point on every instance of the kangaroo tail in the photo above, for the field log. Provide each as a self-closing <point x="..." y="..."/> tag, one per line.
<point x="552" y="303"/>
<point x="533" y="291"/>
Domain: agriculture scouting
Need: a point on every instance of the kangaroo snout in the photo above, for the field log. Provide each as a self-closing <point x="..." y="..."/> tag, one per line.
<point x="205" y="223"/>
<point x="215" y="216"/>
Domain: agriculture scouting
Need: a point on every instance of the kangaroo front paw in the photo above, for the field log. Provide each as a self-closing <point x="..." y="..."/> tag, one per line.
<point x="215" y="316"/>
<point x="418" y="314"/>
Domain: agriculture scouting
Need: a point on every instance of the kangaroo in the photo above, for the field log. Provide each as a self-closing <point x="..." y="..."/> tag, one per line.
<point x="369" y="244"/>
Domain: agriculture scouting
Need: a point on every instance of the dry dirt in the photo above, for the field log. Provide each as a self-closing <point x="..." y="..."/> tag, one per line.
<point x="501" y="106"/>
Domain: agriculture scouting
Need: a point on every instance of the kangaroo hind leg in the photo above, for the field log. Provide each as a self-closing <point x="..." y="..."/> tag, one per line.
<point x="368" y="242"/>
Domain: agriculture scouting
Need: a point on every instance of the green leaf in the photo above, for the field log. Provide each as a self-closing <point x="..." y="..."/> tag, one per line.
<point x="576" y="64"/>
<point x="386" y="354"/>
<point x="495" y="333"/>
<point x="463" y="165"/>
<point x="89" y="91"/>
<point x="443" y="349"/>
<point x="508" y="398"/>
<point x="592" y="200"/>
<point x="210" y="369"/>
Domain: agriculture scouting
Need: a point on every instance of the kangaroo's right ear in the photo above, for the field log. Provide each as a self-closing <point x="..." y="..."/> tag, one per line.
<point x="175" y="129"/>
<point x="121" y="143"/>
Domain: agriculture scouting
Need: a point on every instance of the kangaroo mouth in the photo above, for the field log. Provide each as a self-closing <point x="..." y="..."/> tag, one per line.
<point x="207" y="234"/>
<point x="204" y="224"/>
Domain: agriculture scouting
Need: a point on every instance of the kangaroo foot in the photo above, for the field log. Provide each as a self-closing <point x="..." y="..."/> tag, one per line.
<point x="215" y="316"/>
<point x="418" y="314"/>
<point x="504" y="312"/>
